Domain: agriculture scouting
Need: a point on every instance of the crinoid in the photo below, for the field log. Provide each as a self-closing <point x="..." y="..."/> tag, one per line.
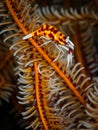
<point x="53" y="89"/>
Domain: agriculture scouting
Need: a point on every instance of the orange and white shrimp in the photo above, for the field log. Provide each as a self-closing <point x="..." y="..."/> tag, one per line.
<point x="54" y="34"/>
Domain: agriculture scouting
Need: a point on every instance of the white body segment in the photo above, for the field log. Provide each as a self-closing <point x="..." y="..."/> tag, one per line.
<point x="27" y="36"/>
